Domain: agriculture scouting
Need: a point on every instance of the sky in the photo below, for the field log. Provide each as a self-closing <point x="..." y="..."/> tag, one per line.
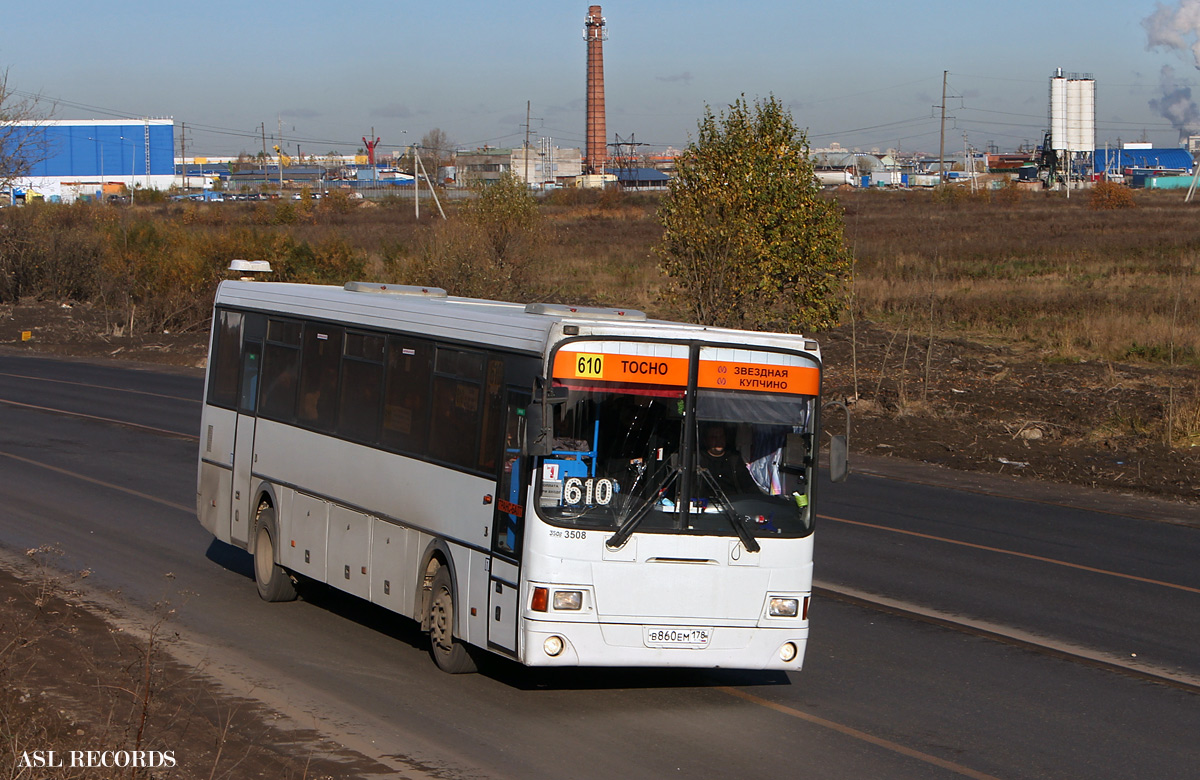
<point x="865" y="74"/>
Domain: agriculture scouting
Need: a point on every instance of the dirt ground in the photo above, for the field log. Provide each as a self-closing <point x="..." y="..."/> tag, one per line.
<point x="77" y="679"/>
<point x="1004" y="410"/>
<point x="962" y="404"/>
<point x="83" y="330"/>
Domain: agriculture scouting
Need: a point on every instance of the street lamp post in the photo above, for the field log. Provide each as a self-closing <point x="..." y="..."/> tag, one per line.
<point x="132" y="165"/>
<point x="100" y="147"/>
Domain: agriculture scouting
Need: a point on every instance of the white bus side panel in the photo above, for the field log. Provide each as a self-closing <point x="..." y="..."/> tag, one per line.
<point x="473" y="595"/>
<point x="349" y="551"/>
<point x="212" y="499"/>
<point x="410" y="504"/>
<point x="214" y="480"/>
<point x="395" y="556"/>
<point x="303" y="531"/>
<point x="421" y="495"/>
<point x="243" y="515"/>
<point x="504" y="607"/>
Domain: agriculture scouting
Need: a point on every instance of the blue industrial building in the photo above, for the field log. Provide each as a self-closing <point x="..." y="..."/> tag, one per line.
<point x="1118" y="161"/>
<point x="87" y="158"/>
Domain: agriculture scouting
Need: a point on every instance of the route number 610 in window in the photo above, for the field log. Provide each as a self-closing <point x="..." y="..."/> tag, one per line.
<point x="589" y="366"/>
<point x="590" y="491"/>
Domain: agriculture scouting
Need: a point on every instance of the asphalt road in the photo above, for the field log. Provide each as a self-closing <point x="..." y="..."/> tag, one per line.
<point x="956" y="633"/>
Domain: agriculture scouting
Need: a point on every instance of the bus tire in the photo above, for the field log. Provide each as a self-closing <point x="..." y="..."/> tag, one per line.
<point x="273" y="581"/>
<point x="450" y="654"/>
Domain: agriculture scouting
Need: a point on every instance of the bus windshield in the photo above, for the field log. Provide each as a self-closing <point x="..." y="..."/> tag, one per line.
<point x="619" y="456"/>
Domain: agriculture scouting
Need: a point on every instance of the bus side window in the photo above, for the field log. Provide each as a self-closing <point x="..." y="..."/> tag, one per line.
<point x="457" y="405"/>
<point x="321" y="354"/>
<point x="493" y="412"/>
<point x="406" y="395"/>
<point x="280" y="370"/>
<point x="251" y="357"/>
<point x="361" y="387"/>
<point x="227" y="359"/>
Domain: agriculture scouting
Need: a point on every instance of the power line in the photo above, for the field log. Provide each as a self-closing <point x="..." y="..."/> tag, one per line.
<point x="883" y="126"/>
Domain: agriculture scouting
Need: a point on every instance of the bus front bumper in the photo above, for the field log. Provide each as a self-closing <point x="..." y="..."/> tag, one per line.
<point x="550" y="643"/>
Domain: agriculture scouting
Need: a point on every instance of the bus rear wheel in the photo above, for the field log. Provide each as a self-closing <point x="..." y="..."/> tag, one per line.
<point x="449" y="654"/>
<point x="273" y="581"/>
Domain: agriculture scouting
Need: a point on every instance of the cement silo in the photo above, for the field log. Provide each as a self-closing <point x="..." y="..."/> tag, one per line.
<point x="1072" y="115"/>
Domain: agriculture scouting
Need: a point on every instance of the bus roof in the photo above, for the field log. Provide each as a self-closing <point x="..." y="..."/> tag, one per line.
<point x="430" y="311"/>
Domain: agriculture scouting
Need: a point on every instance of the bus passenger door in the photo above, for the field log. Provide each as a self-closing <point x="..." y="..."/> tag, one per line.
<point x="243" y="443"/>
<point x="508" y="528"/>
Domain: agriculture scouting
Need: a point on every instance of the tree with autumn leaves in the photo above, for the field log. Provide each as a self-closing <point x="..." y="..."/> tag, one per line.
<point x="749" y="241"/>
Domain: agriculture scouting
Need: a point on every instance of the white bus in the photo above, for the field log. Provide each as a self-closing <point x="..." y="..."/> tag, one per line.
<point x="559" y="485"/>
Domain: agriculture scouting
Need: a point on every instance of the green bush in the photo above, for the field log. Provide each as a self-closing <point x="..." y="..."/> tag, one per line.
<point x="749" y="241"/>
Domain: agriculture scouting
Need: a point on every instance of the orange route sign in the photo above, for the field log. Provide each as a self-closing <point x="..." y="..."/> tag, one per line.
<point x="638" y="369"/>
<point x="713" y="374"/>
<point x="758" y="377"/>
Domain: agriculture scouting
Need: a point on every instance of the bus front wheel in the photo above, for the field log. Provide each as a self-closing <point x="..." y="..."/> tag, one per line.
<point x="272" y="580"/>
<point x="449" y="654"/>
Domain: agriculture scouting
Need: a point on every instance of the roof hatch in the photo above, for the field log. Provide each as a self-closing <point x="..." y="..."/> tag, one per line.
<point x="395" y="289"/>
<point x="584" y="312"/>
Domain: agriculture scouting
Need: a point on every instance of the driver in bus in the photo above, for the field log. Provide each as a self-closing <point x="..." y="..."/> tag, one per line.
<point x="725" y="464"/>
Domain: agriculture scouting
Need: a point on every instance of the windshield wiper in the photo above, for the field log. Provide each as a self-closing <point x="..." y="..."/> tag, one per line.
<point x="748" y="541"/>
<point x="626" y="530"/>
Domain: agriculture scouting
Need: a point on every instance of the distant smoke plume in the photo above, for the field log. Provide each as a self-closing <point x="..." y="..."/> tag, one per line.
<point x="1176" y="28"/>
<point x="1176" y="105"/>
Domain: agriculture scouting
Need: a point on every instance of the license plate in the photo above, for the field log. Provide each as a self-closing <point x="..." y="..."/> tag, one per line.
<point x="668" y="636"/>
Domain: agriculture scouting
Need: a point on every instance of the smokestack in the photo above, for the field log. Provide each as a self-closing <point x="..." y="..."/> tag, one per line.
<point x="595" y="33"/>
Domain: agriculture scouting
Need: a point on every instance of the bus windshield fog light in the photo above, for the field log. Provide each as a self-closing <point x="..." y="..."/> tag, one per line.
<point x="554" y="645"/>
<point x="784" y="607"/>
<point x="787" y="653"/>
<point x="568" y="599"/>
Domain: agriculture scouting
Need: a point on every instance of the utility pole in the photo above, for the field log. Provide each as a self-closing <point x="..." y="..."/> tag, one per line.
<point x="263" y="127"/>
<point x="416" y="186"/>
<point x="280" y="120"/>
<point x="526" y="149"/>
<point x="528" y="130"/>
<point x="183" y="153"/>
<point x="418" y="161"/>
<point x="942" y="141"/>
<point x="968" y="161"/>
<point x="147" y="150"/>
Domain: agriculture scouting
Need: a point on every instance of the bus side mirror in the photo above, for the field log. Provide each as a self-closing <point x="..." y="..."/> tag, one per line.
<point x="539" y="439"/>
<point x="839" y="446"/>
<point x="795" y="452"/>
<point x="839" y="459"/>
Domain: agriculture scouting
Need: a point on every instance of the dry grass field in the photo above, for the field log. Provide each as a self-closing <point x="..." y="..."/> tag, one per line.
<point x="1028" y="333"/>
<point x="1036" y="269"/>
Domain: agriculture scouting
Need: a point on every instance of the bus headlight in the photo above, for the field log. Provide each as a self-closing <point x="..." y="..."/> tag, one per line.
<point x="781" y="607"/>
<point x="568" y="599"/>
<point x="553" y="645"/>
<point x="787" y="653"/>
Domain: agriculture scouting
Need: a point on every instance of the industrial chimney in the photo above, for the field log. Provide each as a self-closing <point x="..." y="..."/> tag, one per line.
<point x="595" y="33"/>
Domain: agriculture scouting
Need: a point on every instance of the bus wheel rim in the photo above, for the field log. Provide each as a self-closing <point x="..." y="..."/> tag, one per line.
<point x="440" y="623"/>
